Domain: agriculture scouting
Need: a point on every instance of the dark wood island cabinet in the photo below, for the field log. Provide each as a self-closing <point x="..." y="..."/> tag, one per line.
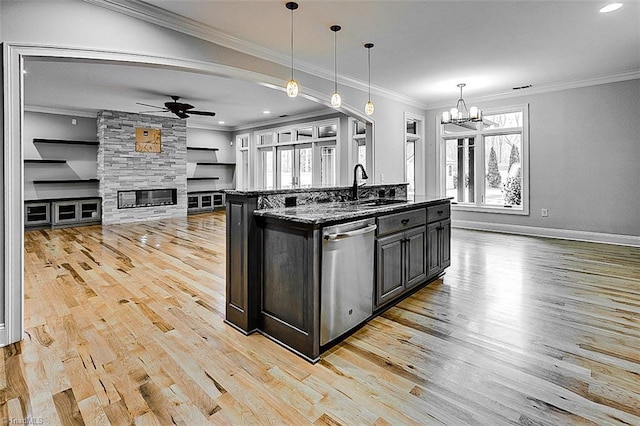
<point x="275" y="255"/>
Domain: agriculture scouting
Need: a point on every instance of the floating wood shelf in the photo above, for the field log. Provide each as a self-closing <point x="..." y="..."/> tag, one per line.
<point x="214" y="163"/>
<point x="199" y="148"/>
<point x="42" y="161"/>
<point x="66" y="181"/>
<point x="65" y="141"/>
<point x="203" y="178"/>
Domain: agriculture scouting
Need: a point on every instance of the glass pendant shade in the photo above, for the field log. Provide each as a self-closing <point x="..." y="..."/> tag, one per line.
<point x="368" y="108"/>
<point x="336" y="100"/>
<point x="292" y="88"/>
<point x="292" y="85"/>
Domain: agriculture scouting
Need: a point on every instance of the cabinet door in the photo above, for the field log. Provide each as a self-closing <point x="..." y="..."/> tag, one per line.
<point x="445" y="243"/>
<point x="218" y="200"/>
<point x="206" y="201"/>
<point x="89" y="210"/>
<point x="416" y="255"/>
<point x="389" y="265"/>
<point x="433" y="249"/>
<point x="65" y="211"/>
<point x="193" y="202"/>
<point x="36" y="214"/>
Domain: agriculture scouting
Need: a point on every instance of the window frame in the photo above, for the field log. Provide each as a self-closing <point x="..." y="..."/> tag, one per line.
<point x="479" y="161"/>
<point x="416" y="139"/>
<point x="315" y="142"/>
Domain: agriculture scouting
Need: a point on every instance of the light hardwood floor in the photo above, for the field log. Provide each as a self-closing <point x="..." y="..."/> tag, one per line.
<point x="124" y="325"/>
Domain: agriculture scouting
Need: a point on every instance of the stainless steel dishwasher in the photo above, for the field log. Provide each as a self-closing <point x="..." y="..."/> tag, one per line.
<point x="347" y="277"/>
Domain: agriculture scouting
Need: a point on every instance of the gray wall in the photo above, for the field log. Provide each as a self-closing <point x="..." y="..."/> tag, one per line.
<point x="81" y="159"/>
<point x="197" y="137"/>
<point x="584" y="159"/>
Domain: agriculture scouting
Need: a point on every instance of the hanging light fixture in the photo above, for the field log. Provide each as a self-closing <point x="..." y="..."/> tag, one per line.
<point x="336" y="100"/>
<point x="292" y="85"/>
<point x="368" y="107"/>
<point x="460" y="114"/>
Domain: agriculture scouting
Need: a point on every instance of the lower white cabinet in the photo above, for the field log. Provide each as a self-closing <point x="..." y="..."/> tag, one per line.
<point x="76" y="212"/>
<point x="200" y="202"/>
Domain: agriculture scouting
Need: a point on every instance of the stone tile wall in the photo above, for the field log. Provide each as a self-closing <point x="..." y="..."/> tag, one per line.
<point x="120" y="167"/>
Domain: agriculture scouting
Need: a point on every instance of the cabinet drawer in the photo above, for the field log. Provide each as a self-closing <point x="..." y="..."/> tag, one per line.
<point x="439" y="212"/>
<point x="390" y="223"/>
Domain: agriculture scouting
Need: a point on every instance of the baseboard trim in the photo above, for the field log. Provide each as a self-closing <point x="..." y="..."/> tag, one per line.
<point x="563" y="234"/>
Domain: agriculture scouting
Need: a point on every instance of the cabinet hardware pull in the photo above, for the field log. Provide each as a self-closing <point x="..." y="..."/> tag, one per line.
<point x="404" y="221"/>
<point x="440" y="212"/>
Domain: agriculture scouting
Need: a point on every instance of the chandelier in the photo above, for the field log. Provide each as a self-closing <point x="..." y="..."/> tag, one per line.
<point x="460" y="114"/>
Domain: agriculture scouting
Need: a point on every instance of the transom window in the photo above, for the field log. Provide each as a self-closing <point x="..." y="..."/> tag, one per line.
<point x="484" y="166"/>
<point x="300" y="156"/>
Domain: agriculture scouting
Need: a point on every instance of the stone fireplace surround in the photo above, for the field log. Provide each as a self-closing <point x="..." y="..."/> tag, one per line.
<point x="121" y="168"/>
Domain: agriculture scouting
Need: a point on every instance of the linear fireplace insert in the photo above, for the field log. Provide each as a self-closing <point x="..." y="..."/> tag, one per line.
<point x="147" y="198"/>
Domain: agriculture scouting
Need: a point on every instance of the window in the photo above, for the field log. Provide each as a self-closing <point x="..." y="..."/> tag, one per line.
<point x="242" y="160"/>
<point x="484" y="166"/>
<point x="413" y="137"/>
<point x="267" y="164"/>
<point x="298" y="156"/>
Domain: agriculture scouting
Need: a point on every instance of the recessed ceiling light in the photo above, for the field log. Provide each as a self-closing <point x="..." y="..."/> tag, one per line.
<point x="221" y="122"/>
<point x="266" y="111"/>
<point x="611" y="7"/>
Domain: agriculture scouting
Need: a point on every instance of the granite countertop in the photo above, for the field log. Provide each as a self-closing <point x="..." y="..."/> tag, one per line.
<point x="258" y="192"/>
<point x="337" y="211"/>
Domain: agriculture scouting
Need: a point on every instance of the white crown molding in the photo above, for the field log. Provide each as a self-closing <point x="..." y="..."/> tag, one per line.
<point x="59" y="111"/>
<point x="630" y="75"/>
<point x="563" y="234"/>
<point x="158" y="16"/>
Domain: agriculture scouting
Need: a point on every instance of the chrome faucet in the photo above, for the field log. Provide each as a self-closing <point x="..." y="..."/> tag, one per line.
<point x="354" y="193"/>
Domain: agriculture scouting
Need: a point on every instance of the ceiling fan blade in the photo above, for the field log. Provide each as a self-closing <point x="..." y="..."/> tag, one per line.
<point x="152" y="111"/>
<point x="152" y="106"/>
<point x="181" y="114"/>
<point x="209" y="113"/>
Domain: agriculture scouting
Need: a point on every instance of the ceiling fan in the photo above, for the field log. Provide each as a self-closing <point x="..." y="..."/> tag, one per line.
<point x="180" y="109"/>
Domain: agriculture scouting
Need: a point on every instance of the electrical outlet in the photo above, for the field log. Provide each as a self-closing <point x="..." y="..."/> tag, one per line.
<point x="74" y="121"/>
<point x="381" y="177"/>
<point x="545" y="212"/>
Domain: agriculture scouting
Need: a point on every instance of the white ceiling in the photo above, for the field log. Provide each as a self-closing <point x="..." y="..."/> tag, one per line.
<point x="422" y="50"/>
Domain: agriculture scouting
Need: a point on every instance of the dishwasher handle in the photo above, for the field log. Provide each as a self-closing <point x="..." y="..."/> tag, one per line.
<point x="343" y="235"/>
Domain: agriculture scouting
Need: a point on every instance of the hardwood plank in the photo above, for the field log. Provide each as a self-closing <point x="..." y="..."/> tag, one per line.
<point x="124" y="325"/>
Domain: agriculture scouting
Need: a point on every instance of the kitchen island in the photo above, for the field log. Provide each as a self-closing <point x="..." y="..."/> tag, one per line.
<point x="279" y="259"/>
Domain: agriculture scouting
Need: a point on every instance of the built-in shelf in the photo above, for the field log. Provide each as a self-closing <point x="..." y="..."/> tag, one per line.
<point x="214" y="163"/>
<point x="200" y="148"/>
<point x="66" y="181"/>
<point x="203" y="178"/>
<point x="65" y="141"/>
<point x="42" y="161"/>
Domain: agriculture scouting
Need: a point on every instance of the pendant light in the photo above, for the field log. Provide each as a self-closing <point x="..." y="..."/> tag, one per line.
<point x="336" y="100"/>
<point x="368" y="107"/>
<point x="292" y="85"/>
<point x="460" y="114"/>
